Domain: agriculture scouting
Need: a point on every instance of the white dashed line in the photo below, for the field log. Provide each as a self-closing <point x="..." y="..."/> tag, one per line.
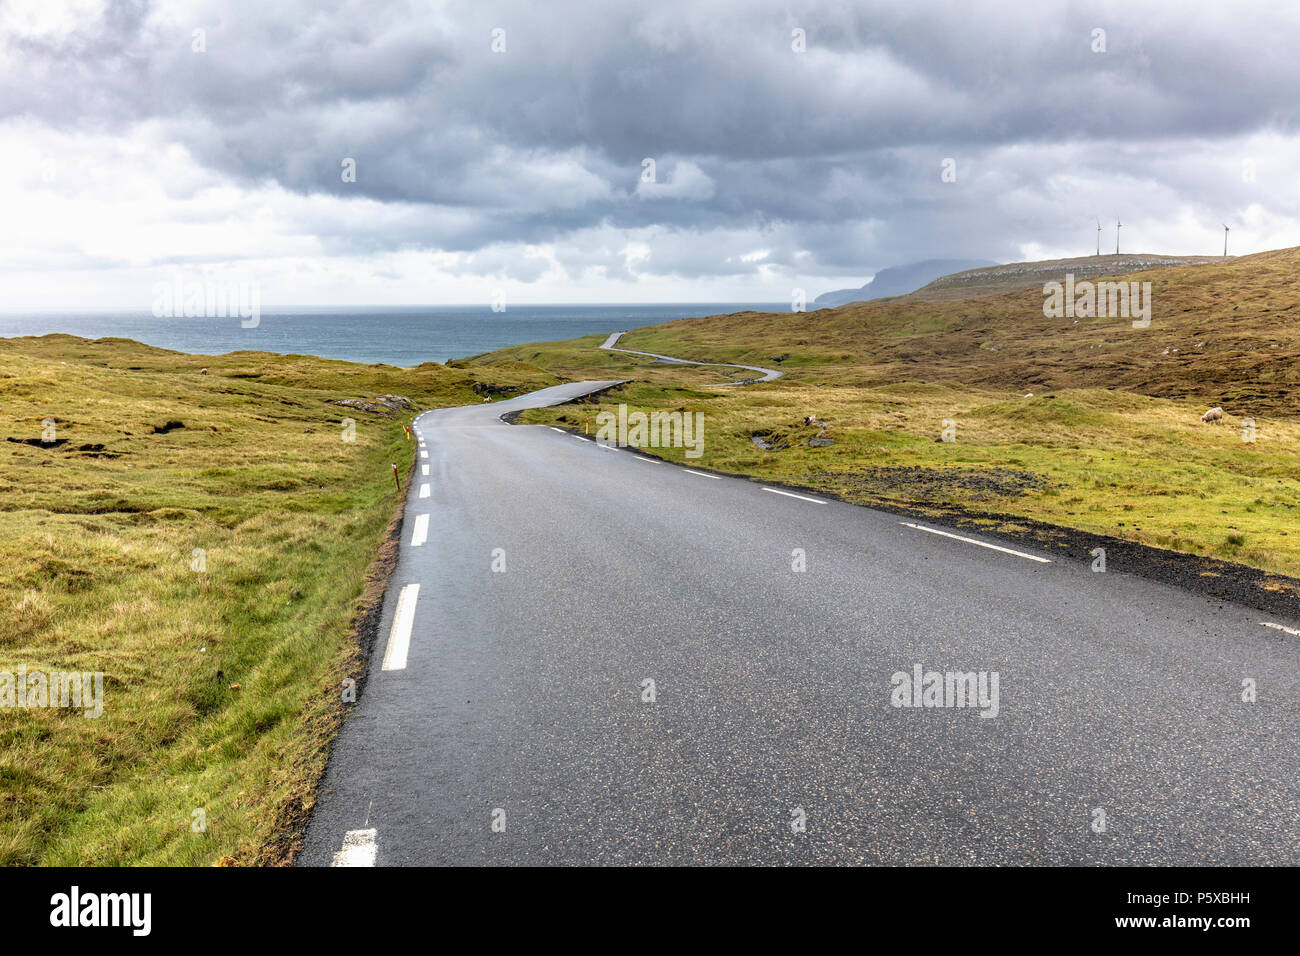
<point x="424" y="454"/>
<point x="421" y="533"/>
<point x="791" y="494"/>
<point x="652" y="461"/>
<point x="359" y="849"/>
<point x="424" y="470"/>
<point x="606" y="447"/>
<point x="554" y="429"/>
<point x="424" y="490"/>
<point x="399" y="638"/>
<point x="703" y="474"/>
<point x="992" y="547"/>
<point x="1278" y="627"/>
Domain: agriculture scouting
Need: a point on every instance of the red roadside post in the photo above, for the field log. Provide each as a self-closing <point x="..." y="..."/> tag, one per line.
<point x="396" y="481"/>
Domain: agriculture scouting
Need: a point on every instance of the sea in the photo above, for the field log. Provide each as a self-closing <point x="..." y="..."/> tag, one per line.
<point x="393" y="335"/>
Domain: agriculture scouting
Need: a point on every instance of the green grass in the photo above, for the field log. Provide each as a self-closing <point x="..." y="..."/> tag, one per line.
<point x="222" y="687"/>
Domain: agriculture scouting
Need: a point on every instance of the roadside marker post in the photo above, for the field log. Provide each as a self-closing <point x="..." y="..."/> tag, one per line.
<point x="397" y="482"/>
<point x="586" y="428"/>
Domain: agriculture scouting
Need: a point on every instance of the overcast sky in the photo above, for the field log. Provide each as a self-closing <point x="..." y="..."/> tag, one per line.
<point x="131" y="156"/>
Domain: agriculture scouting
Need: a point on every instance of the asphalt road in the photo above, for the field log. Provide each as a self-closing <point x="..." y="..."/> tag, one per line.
<point x="519" y="697"/>
<point x="768" y="374"/>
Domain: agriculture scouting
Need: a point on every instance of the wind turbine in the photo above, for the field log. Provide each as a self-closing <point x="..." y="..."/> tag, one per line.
<point x="1117" y="227"/>
<point x="1225" y="240"/>
<point x="1098" y="235"/>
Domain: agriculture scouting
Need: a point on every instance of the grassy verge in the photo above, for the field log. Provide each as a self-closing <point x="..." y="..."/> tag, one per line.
<point x="213" y="571"/>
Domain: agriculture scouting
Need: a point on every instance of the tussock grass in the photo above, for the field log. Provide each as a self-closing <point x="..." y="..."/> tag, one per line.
<point x="222" y="687"/>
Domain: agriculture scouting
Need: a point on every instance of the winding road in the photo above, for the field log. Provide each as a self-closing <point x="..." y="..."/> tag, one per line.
<point x="591" y="656"/>
<point x="768" y="373"/>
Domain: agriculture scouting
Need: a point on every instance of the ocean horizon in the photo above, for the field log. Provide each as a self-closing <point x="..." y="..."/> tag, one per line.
<point x="391" y="335"/>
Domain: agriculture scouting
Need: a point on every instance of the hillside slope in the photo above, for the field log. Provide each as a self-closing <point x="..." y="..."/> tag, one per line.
<point x="1222" y="333"/>
<point x="1028" y="275"/>
<point x="987" y="411"/>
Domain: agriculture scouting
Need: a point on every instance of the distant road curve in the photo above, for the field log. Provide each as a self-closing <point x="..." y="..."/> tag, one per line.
<point x="769" y="374"/>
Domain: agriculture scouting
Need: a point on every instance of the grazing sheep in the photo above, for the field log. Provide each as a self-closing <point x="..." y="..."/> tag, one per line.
<point x="1213" y="415"/>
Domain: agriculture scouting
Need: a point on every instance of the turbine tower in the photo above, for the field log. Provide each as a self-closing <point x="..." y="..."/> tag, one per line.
<point x="1118" y="224"/>
<point x="1225" y="240"/>
<point x="1099" y="236"/>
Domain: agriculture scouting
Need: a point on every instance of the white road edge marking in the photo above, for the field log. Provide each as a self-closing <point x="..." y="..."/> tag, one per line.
<point x="791" y="494"/>
<point x="554" y="429"/>
<point x="359" y="849"/>
<point x="703" y="474"/>
<point x="421" y="533"/>
<point x="424" y="490"/>
<point x="399" y="637"/>
<point x="1278" y="627"/>
<point x="652" y="461"/>
<point x="992" y="547"/>
<point x="424" y="470"/>
<point x="424" y="454"/>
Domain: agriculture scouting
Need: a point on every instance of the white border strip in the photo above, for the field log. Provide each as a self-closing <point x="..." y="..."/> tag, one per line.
<point x="982" y="544"/>
<point x="421" y="533"/>
<point x="1279" y="627"/>
<point x="424" y="490"/>
<point x="702" y="474"/>
<point x="359" y="849"/>
<point x="399" y="637"/>
<point x="791" y="494"/>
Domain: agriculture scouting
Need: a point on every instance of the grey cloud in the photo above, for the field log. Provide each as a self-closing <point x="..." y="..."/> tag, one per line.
<point x="830" y="157"/>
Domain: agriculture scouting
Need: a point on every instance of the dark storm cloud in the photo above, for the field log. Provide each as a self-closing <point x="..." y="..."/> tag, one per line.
<point x="834" y="153"/>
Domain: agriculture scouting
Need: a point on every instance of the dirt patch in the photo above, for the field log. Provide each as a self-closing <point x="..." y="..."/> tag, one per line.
<point x="914" y="481"/>
<point x="38" y="442"/>
<point x="169" y="427"/>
